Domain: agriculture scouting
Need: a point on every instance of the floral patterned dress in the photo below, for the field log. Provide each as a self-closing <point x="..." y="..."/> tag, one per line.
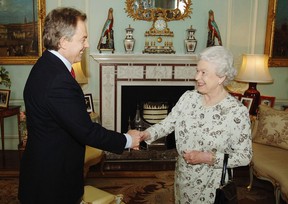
<point x="222" y="128"/>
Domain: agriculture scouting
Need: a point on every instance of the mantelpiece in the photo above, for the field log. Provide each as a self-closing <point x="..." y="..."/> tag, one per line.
<point x="118" y="70"/>
<point x="145" y="58"/>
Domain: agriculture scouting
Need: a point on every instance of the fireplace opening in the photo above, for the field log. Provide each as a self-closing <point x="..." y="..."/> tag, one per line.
<point x="135" y="98"/>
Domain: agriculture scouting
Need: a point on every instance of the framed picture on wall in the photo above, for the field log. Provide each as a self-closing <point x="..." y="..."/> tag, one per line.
<point x="267" y="100"/>
<point x="21" y="25"/>
<point x="276" y="33"/>
<point x="247" y="102"/>
<point x="89" y="103"/>
<point x="4" y="98"/>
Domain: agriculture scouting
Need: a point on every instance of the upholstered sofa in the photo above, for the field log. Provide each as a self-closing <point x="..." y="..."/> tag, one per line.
<point x="270" y="150"/>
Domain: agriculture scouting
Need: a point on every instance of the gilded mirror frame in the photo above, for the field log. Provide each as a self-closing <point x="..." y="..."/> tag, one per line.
<point x="274" y="61"/>
<point x="150" y="14"/>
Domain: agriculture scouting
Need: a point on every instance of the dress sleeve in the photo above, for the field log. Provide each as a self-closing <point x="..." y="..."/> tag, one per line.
<point x="167" y="125"/>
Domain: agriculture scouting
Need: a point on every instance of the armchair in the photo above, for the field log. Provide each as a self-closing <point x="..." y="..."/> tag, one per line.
<point x="94" y="195"/>
<point x="92" y="157"/>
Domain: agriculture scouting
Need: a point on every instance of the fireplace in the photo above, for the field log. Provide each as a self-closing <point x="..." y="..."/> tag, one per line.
<point x="139" y="95"/>
<point x="126" y="81"/>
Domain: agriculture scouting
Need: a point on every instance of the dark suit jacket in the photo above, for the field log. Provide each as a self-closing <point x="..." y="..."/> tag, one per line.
<point x="59" y="127"/>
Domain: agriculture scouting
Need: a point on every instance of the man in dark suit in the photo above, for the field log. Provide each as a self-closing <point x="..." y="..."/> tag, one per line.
<point x="59" y="126"/>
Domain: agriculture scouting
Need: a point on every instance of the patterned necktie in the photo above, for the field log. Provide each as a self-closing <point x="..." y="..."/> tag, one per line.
<point x="73" y="73"/>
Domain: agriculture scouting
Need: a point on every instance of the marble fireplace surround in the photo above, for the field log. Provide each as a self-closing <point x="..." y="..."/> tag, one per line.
<point x="138" y="70"/>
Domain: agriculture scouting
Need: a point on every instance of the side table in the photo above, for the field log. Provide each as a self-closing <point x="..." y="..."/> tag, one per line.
<point x="5" y="113"/>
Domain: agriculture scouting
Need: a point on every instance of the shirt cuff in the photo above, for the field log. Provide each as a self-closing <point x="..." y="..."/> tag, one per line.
<point x="128" y="141"/>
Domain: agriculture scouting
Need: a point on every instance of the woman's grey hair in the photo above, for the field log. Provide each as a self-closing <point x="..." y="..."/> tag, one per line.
<point x="60" y="22"/>
<point x="223" y="59"/>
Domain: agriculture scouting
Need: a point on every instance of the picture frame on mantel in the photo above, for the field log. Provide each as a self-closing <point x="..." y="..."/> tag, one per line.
<point x="23" y="22"/>
<point x="276" y="40"/>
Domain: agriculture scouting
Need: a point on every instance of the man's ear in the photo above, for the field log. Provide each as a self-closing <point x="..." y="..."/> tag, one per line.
<point x="62" y="43"/>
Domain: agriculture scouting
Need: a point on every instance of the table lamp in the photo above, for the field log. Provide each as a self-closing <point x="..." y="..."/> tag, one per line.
<point x="80" y="77"/>
<point x="254" y="69"/>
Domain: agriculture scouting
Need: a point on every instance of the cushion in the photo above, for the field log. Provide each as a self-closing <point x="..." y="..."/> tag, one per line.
<point x="272" y="127"/>
<point x="94" y="195"/>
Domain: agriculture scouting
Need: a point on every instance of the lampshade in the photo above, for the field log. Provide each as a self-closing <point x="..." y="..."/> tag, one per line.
<point x="80" y="77"/>
<point x="255" y="69"/>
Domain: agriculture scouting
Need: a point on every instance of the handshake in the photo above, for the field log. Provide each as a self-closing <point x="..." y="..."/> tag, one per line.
<point x="137" y="137"/>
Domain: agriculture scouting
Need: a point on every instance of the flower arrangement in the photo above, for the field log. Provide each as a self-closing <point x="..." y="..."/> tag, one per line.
<point x="23" y="129"/>
<point x="4" y="77"/>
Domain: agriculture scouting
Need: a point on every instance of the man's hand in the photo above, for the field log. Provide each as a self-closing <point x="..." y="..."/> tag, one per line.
<point x="136" y="136"/>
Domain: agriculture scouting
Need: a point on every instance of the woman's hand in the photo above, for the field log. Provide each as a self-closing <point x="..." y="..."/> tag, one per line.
<point x="145" y="135"/>
<point x="198" y="157"/>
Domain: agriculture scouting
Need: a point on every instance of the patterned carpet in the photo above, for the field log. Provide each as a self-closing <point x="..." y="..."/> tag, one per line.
<point x="159" y="189"/>
<point x="8" y="191"/>
<point x="152" y="190"/>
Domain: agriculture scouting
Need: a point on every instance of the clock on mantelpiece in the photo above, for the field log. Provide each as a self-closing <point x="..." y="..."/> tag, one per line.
<point x="159" y="38"/>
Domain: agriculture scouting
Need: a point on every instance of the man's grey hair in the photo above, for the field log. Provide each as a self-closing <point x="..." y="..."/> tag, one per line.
<point x="60" y="22"/>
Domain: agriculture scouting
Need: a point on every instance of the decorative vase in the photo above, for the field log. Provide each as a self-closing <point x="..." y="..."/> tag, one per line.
<point x="190" y="42"/>
<point x="129" y="41"/>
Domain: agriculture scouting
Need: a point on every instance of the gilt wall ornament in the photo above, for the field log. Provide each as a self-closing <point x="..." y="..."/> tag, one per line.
<point x="148" y="10"/>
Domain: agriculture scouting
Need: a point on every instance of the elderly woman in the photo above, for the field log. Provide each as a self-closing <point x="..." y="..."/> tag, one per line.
<point x="208" y="122"/>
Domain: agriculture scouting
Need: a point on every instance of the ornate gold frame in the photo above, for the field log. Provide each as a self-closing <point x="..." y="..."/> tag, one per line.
<point x="140" y="14"/>
<point x="41" y="12"/>
<point x="270" y="27"/>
